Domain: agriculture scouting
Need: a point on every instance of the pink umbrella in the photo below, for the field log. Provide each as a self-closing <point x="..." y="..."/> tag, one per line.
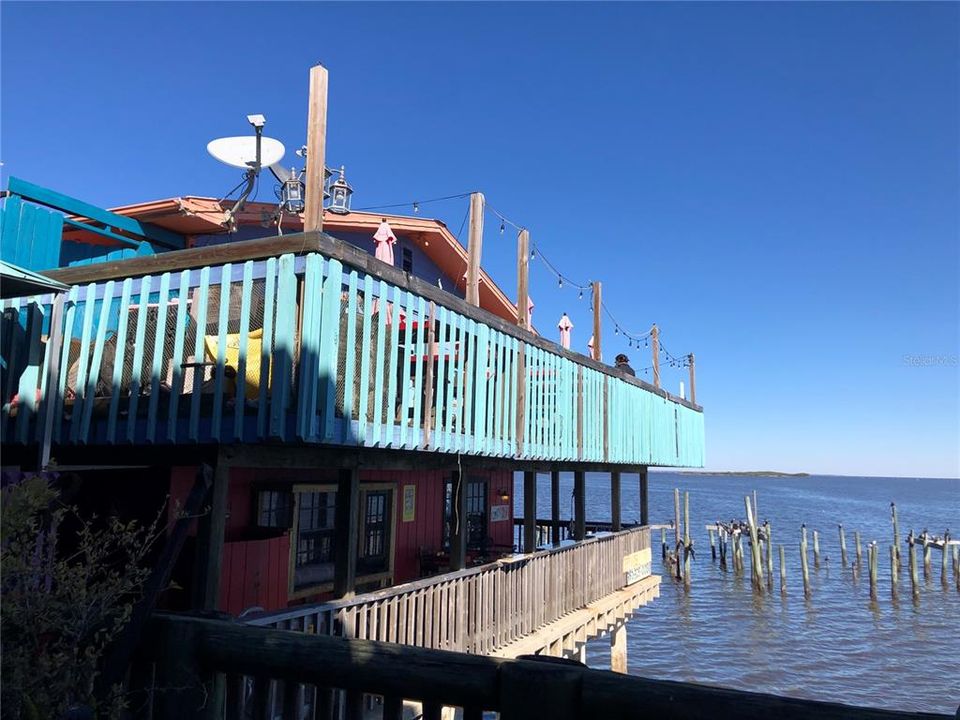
<point x="565" y="327"/>
<point x="385" y="240"/>
<point x="590" y="348"/>
<point x="530" y="307"/>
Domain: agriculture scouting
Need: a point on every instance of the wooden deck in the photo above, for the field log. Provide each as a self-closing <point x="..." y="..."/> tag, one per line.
<point x="303" y="339"/>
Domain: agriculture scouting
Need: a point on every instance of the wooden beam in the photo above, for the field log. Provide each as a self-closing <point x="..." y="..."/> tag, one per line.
<point x="555" y="506"/>
<point x="597" y="314"/>
<point x="579" y="505"/>
<point x="474" y="249"/>
<point x="316" y="149"/>
<point x="615" y="518"/>
<point x="458" y="529"/>
<point x="529" y="512"/>
<point x="523" y="278"/>
<point x="210" y="538"/>
<point x="693" y="378"/>
<point x="655" y="350"/>
<point x="347" y="529"/>
<point x="644" y="498"/>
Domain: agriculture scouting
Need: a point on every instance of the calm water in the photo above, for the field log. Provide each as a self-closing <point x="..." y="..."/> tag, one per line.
<point x="837" y="645"/>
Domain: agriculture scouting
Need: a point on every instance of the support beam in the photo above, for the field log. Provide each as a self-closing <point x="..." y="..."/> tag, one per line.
<point x="316" y="150"/>
<point x="474" y="248"/>
<point x="597" y="315"/>
<point x="655" y="350"/>
<point x="523" y="278"/>
<point x="346" y="524"/>
<point x="618" y="649"/>
<point x="579" y="505"/>
<point x="458" y="531"/>
<point x="644" y="498"/>
<point x="210" y="534"/>
<point x="529" y="512"/>
<point x="615" y="518"/>
<point x="693" y="378"/>
<point x="555" y="506"/>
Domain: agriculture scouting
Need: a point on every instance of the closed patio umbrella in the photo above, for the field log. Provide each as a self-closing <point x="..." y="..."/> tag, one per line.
<point x="385" y="240"/>
<point x="565" y="327"/>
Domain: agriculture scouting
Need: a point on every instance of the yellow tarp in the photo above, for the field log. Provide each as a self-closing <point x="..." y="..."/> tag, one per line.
<point x="232" y="358"/>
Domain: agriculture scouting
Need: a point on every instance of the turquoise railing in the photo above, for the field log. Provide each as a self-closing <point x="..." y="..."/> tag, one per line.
<point x="305" y="348"/>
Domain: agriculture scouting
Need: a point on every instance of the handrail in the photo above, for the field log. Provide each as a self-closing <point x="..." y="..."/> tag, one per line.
<point x="189" y="652"/>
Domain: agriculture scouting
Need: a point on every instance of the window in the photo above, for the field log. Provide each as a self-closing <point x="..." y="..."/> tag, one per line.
<point x="406" y="255"/>
<point x="315" y="538"/>
<point x="274" y="508"/>
<point x="476" y="514"/>
<point x="375" y="538"/>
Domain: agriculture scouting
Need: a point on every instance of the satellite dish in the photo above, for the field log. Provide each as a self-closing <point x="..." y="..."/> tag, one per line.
<point x="241" y="152"/>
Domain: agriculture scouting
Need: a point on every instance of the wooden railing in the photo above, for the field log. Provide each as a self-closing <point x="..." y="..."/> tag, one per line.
<point x="480" y="609"/>
<point x="194" y="668"/>
<point x="315" y="347"/>
<point x="545" y="534"/>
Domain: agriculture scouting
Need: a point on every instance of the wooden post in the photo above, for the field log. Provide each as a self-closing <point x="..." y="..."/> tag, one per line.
<point x="316" y="150"/>
<point x="693" y="378"/>
<point x="804" y="567"/>
<point x="458" y="533"/>
<point x="555" y="506"/>
<point x="615" y="519"/>
<point x="893" y="573"/>
<point x="579" y="505"/>
<point x="856" y="539"/>
<point x="713" y="547"/>
<point x="914" y="577"/>
<point x="644" y="498"/>
<point x="896" y="533"/>
<point x="816" y="549"/>
<point x="523" y="278"/>
<point x="926" y="554"/>
<point x="783" y="572"/>
<point x="655" y="350"/>
<point x="346" y="524"/>
<point x="755" y="561"/>
<point x="687" y="544"/>
<point x="618" y="649"/>
<point x="956" y="565"/>
<point x="769" y="548"/>
<point x="943" y="559"/>
<point x="597" y="315"/>
<point x="529" y="512"/>
<point x="677" y="547"/>
<point x="843" y="546"/>
<point x="663" y="544"/>
<point x="872" y="565"/>
<point x="210" y="536"/>
<point x="474" y="248"/>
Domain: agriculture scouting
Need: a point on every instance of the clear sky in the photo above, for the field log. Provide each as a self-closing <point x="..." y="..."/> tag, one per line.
<point x="776" y="185"/>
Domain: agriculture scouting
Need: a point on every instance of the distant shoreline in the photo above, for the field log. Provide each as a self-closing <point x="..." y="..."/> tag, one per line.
<point x="745" y="473"/>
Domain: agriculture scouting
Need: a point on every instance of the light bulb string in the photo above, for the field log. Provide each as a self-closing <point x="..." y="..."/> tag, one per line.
<point x="415" y="204"/>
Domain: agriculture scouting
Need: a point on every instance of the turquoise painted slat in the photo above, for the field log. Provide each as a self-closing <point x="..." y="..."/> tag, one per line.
<point x="179" y="338"/>
<point x="395" y="351"/>
<point x="330" y="348"/>
<point x="350" y="357"/>
<point x="219" y="371"/>
<point x="469" y="385"/>
<point x="26" y="248"/>
<point x="266" y="348"/>
<point x="481" y="438"/>
<point x="310" y="354"/>
<point x="116" y="383"/>
<point x="14" y="349"/>
<point x="246" y="302"/>
<point x="9" y="247"/>
<point x="79" y="383"/>
<point x="48" y="358"/>
<point x="29" y="378"/>
<point x="512" y="351"/>
<point x="365" y="360"/>
<point x="377" y="439"/>
<point x="283" y="350"/>
<point x="157" y="370"/>
<point x="455" y="371"/>
<point x="200" y="315"/>
<point x="499" y="396"/>
<point x="405" y="357"/>
<point x="444" y="356"/>
<point x="533" y="401"/>
<point x="138" y="343"/>
<point x="422" y="357"/>
<point x="106" y="310"/>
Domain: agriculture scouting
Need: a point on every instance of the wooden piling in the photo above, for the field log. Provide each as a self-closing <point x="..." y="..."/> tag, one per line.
<point x="783" y="572"/>
<point x="926" y="555"/>
<point x="843" y="546"/>
<point x="816" y="549"/>
<point x="738" y="552"/>
<point x="856" y="539"/>
<point x="769" y="548"/>
<point x="914" y="576"/>
<point x="956" y="565"/>
<point x="713" y="547"/>
<point x="676" y="534"/>
<point x="893" y="574"/>
<point x="896" y="533"/>
<point x="943" y="559"/>
<point x="316" y="149"/>
<point x="756" y="563"/>
<point x="663" y="544"/>
<point x="687" y="546"/>
<point x="804" y="567"/>
<point x="872" y="563"/>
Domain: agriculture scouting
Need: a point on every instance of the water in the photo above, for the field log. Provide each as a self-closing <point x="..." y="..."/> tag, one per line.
<point x="838" y="645"/>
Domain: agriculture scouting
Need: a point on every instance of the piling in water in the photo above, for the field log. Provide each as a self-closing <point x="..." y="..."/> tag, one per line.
<point x="893" y="574"/>
<point x="896" y="533"/>
<point x="816" y="549"/>
<point x="738" y="552"/>
<point x="956" y="565"/>
<point x="872" y="563"/>
<point x="687" y="545"/>
<point x="769" y="534"/>
<point x="713" y="547"/>
<point x="943" y="559"/>
<point x="805" y="569"/>
<point x="843" y="547"/>
<point x="663" y="544"/>
<point x="783" y="572"/>
<point x="914" y="576"/>
<point x="678" y="549"/>
<point x="756" y="563"/>
<point x="925" y="537"/>
<point x="856" y="537"/>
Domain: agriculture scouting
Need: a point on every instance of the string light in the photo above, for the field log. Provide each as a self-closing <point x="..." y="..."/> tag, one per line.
<point x="416" y="207"/>
<point x="503" y="226"/>
<point x="559" y="282"/>
<point x="580" y="295"/>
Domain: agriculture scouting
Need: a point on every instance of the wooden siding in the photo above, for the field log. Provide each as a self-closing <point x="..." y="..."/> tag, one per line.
<point x="307" y="349"/>
<point x="255" y="574"/>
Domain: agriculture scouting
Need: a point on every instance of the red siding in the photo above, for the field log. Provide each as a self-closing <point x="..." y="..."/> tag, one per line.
<point x="255" y="574"/>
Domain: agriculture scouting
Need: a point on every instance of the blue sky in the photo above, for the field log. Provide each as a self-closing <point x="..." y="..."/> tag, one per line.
<point x="775" y="185"/>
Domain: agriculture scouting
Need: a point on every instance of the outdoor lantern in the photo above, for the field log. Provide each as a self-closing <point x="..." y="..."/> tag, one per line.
<point x="504" y="494"/>
<point x="291" y="195"/>
<point x="340" y="193"/>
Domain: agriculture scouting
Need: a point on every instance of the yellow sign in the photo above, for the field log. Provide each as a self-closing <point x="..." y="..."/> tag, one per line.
<point x="636" y="565"/>
<point x="409" y="502"/>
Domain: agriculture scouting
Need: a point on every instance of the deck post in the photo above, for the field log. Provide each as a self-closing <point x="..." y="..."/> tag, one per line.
<point x="474" y="246"/>
<point x="644" y="497"/>
<point x="655" y="351"/>
<point x="316" y="150"/>
<point x="458" y="533"/>
<point x="597" y="314"/>
<point x="691" y="362"/>
<point x="210" y="534"/>
<point x="523" y="278"/>
<point x="615" y="519"/>
<point x="618" y="649"/>
<point x="555" y="506"/>
<point x="529" y="512"/>
<point x="579" y="505"/>
<point x="346" y="521"/>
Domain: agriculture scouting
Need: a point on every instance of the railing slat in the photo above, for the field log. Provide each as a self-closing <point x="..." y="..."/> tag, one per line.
<point x="365" y="361"/>
<point x="156" y="369"/>
<point x="266" y="348"/>
<point x="246" y="302"/>
<point x="199" y="313"/>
